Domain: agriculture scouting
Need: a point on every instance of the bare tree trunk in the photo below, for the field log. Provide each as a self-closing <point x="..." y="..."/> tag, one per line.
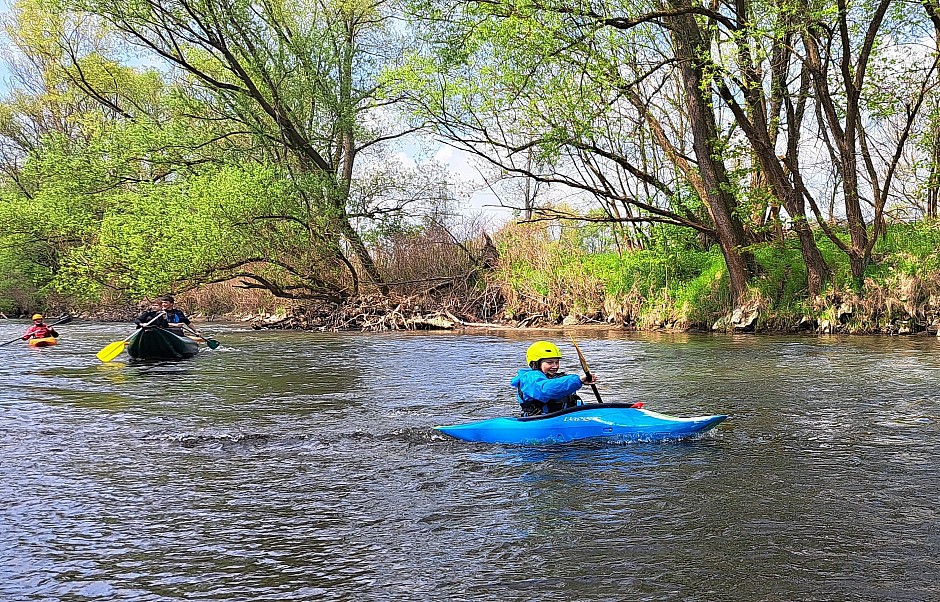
<point x="761" y="135"/>
<point x="690" y="46"/>
<point x="846" y="131"/>
<point x="933" y="180"/>
<point x="529" y="187"/>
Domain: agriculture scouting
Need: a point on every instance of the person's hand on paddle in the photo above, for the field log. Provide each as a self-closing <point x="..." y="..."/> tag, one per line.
<point x="589" y="379"/>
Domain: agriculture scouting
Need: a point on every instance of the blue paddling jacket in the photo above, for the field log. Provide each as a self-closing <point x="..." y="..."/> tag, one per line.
<point x="175" y="317"/>
<point x="539" y="394"/>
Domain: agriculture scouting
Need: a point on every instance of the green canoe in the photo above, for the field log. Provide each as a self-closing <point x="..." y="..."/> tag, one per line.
<point x="160" y="344"/>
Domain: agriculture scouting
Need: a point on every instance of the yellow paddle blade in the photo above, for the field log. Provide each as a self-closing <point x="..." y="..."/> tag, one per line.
<point x="111" y="351"/>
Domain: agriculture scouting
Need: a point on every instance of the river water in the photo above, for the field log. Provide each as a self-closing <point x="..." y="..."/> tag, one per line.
<point x="290" y="466"/>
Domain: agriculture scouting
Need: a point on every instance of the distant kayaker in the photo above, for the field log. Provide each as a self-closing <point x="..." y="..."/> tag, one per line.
<point x="541" y="387"/>
<point x="39" y="329"/>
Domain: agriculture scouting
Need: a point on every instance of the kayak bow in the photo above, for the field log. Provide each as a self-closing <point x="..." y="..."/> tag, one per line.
<point x="43" y="342"/>
<point x="610" y="422"/>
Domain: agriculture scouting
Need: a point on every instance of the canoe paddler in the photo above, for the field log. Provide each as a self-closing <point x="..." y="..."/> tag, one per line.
<point x="39" y="329"/>
<point x="175" y="318"/>
<point x="149" y="316"/>
<point x="163" y="314"/>
<point x="541" y="388"/>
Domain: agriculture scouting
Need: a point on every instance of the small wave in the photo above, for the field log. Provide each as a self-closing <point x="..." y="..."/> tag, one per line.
<point x="191" y="440"/>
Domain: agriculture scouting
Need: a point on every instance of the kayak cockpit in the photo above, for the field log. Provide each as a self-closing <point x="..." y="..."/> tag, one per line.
<point x="579" y="408"/>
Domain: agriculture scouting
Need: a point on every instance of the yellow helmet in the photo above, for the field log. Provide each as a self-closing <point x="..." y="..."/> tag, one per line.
<point x="37" y="317"/>
<point x="541" y="350"/>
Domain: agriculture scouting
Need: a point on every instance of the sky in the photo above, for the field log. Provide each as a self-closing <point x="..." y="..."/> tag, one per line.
<point x="5" y="45"/>
<point x="475" y="196"/>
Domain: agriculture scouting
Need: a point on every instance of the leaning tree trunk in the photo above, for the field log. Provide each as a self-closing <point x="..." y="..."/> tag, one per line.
<point x="690" y="45"/>
<point x="761" y="133"/>
<point x="363" y="255"/>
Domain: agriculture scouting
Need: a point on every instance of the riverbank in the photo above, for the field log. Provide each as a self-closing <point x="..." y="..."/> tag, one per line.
<point x="847" y="315"/>
<point x="533" y="279"/>
<point x="879" y="310"/>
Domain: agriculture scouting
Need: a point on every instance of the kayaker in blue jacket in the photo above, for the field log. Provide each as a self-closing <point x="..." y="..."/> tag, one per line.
<point x="541" y="387"/>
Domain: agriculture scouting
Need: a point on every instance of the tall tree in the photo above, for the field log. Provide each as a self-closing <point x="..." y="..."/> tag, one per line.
<point x="861" y="87"/>
<point x="599" y="83"/>
<point x="614" y="109"/>
<point x="691" y="48"/>
<point x="62" y="153"/>
<point x="755" y="89"/>
<point x="301" y="79"/>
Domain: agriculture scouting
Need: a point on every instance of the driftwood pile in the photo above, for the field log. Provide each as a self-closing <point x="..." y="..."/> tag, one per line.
<point x="377" y="314"/>
<point x="366" y="314"/>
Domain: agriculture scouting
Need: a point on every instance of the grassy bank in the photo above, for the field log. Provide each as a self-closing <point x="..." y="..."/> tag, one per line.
<point x="550" y="279"/>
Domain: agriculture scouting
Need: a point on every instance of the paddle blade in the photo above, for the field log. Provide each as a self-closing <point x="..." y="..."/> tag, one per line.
<point x="587" y="370"/>
<point x="212" y="343"/>
<point x="583" y="361"/>
<point x="8" y="342"/>
<point x="111" y="351"/>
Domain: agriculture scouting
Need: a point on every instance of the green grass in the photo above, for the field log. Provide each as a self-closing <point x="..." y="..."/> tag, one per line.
<point x="689" y="287"/>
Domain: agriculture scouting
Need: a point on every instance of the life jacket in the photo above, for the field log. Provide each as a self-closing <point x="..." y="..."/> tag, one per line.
<point x="532" y="407"/>
<point x="175" y="319"/>
<point x="40" y="331"/>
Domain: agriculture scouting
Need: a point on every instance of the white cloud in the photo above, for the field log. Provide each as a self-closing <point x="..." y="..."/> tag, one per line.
<point x="406" y="160"/>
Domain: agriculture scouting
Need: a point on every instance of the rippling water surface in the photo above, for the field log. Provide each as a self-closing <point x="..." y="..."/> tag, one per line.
<point x="298" y="466"/>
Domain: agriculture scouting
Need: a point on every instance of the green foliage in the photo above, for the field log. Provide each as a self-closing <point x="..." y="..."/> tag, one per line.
<point x="683" y="288"/>
<point x="782" y="281"/>
<point x="671" y="238"/>
<point x="210" y="226"/>
<point x="912" y="249"/>
<point x="21" y="278"/>
<point x="687" y="286"/>
<point x="127" y="181"/>
<point x="648" y="271"/>
<point x="554" y="276"/>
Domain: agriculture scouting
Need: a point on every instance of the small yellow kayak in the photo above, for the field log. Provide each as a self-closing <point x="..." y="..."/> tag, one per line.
<point x="43" y="342"/>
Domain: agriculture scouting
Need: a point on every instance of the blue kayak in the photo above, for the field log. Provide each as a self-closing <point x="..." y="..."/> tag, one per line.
<point x="618" y="422"/>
